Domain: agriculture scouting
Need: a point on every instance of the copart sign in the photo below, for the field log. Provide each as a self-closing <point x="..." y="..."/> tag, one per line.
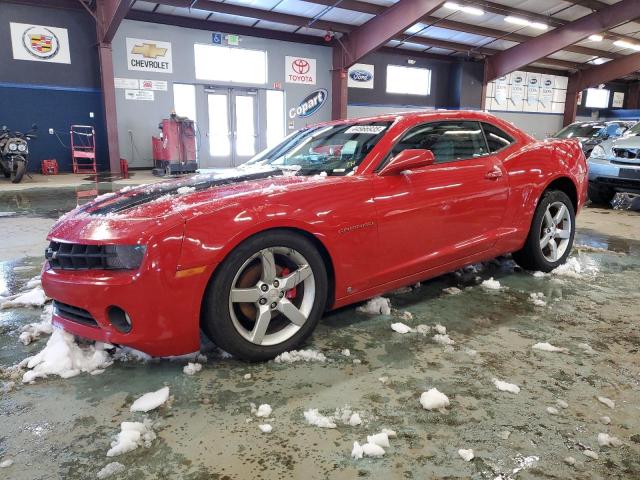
<point x="300" y="70"/>
<point x="310" y="104"/>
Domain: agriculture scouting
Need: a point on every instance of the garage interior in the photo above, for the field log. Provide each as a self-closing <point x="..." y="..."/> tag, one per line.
<point x="122" y="93"/>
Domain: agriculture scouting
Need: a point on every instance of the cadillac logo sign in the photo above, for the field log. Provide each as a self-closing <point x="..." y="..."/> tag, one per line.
<point x="40" y="43"/>
<point x="310" y="104"/>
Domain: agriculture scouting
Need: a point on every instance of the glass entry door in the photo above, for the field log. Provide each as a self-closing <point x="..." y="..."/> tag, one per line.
<point x="233" y="126"/>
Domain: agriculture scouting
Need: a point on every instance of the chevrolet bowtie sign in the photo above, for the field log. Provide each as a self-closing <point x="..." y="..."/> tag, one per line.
<point x="149" y="55"/>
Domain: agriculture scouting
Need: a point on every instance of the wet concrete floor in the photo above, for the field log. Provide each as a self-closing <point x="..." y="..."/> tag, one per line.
<point x="60" y="428"/>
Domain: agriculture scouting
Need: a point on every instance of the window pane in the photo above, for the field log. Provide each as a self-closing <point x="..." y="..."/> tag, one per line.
<point x="275" y="117"/>
<point x="408" y="80"/>
<point x="245" y="133"/>
<point x="184" y="100"/>
<point x="496" y="138"/>
<point x="240" y="65"/>
<point x="448" y="141"/>
<point x="219" y="145"/>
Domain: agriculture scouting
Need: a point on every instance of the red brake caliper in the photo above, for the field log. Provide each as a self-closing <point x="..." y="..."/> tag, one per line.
<point x="290" y="293"/>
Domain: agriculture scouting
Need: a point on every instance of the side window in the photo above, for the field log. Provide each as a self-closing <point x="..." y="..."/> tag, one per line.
<point x="449" y="141"/>
<point x="496" y="138"/>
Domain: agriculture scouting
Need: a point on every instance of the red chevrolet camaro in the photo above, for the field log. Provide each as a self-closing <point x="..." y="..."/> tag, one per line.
<point x="335" y="214"/>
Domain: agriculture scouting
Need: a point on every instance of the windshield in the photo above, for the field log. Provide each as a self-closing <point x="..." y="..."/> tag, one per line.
<point x="635" y="130"/>
<point x="334" y="149"/>
<point x="584" y="130"/>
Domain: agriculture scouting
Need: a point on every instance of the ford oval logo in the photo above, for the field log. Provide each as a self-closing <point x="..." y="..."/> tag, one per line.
<point x="360" y="75"/>
<point x="310" y="104"/>
<point x="547" y="83"/>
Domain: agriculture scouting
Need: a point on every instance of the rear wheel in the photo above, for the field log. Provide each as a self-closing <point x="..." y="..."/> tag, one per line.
<point x="600" y="195"/>
<point x="551" y="235"/>
<point x="266" y="297"/>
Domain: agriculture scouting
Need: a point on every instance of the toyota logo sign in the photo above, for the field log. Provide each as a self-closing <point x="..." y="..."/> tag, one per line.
<point x="300" y="66"/>
<point x="300" y="70"/>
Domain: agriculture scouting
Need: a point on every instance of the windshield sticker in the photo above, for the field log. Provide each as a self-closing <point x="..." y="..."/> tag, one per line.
<point x="366" y="129"/>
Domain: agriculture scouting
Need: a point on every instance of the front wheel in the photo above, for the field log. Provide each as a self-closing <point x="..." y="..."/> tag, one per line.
<point x="266" y="297"/>
<point x="551" y="235"/>
<point x="18" y="170"/>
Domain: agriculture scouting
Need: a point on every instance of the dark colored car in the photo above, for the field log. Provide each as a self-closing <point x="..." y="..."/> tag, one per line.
<point x="591" y="134"/>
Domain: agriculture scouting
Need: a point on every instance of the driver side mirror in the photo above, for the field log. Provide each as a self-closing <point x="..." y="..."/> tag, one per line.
<point x="408" y="160"/>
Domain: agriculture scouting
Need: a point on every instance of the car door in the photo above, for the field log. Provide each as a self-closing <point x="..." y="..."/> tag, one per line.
<point x="443" y="212"/>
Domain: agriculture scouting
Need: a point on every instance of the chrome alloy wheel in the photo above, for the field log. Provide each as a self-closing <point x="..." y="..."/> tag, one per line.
<point x="555" y="231"/>
<point x="272" y="295"/>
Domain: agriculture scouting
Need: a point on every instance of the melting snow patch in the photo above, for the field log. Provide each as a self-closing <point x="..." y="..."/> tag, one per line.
<point x="590" y="454"/>
<point x="539" y="274"/>
<point x="434" y="400"/>
<point x="263" y="411"/>
<point x="314" y="417"/>
<point x="357" y="451"/>
<point x="192" y="368"/>
<point x="552" y="410"/>
<point x="606" y="420"/>
<point x="562" y="403"/>
<point x="466" y="455"/>
<point x="406" y="315"/>
<point x="547" y="347"/>
<point x="606" y="440"/>
<point x="376" y="306"/>
<point x="505" y="386"/>
<point x="569" y="460"/>
<point x="111" y="469"/>
<point x="185" y="190"/>
<point x="300" y="356"/>
<point x="607" y="401"/>
<point x="151" y="400"/>
<point x="63" y="357"/>
<point x="401" y="328"/>
<point x="33" y="298"/>
<point x="372" y="450"/>
<point x="573" y="268"/>
<point x="265" y="428"/>
<point x="346" y="352"/>
<point x="451" y="290"/>
<point x="33" y="331"/>
<point x="537" y="299"/>
<point x="247" y="376"/>
<point x="423" y="329"/>
<point x="443" y="339"/>
<point x="586" y="348"/>
<point x="6" y="463"/>
<point x="491" y="284"/>
<point x="132" y="435"/>
<point x="440" y="329"/>
<point x="381" y="439"/>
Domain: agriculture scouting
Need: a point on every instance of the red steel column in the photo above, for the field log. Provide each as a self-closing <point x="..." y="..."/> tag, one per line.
<point x="339" y="89"/>
<point x="109" y="103"/>
<point x="571" y="100"/>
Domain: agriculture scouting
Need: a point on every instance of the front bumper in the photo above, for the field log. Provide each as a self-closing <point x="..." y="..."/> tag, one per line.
<point x="620" y="177"/>
<point x="162" y="302"/>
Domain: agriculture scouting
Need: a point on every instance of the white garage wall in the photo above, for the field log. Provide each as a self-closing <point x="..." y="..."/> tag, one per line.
<point x="538" y="125"/>
<point x="138" y="119"/>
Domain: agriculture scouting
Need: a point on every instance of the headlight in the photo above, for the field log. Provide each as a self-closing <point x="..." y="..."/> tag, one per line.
<point x="127" y="257"/>
<point x="598" y="152"/>
<point x="22" y="147"/>
<point x="13" y="147"/>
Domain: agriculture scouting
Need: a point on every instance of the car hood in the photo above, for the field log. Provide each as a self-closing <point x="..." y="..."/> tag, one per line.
<point x="138" y="212"/>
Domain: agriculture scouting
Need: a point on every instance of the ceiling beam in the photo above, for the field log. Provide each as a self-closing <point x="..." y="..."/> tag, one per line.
<point x="550" y="42"/>
<point x="383" y="27"/>
<point x="606" y="72"/>
<point x="110" y="14"/>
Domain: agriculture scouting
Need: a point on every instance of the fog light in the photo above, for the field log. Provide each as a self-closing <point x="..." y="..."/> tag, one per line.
<point x="119" y="319"/>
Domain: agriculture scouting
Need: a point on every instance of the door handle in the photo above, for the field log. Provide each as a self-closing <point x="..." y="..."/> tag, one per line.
<point x="493" y="174"/>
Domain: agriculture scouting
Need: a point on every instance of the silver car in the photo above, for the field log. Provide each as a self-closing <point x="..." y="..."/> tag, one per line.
<point x="614" y="166"/>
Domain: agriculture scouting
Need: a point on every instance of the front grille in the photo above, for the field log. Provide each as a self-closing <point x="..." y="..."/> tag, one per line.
<point x="75" y="314"/>
<point x="74" y="256"/>
<point x="628" y="153"/>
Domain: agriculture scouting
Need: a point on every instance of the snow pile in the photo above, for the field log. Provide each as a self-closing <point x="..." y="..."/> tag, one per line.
<point x="263" y="411"/>
<point x="441" y="329"/>
<point x="607" y="401"/>
<point x="451" y="290"/>
<point x="355" y="419"/>
<point x="132" y="435"/>
<point x="63" y="357"/>
<point x="376" y="306"/>
<point x="347" y="416"/>
<point x="547" y="347"/>
<point x="185" y="190"/>
<point x="606" y="440"/>
<point x="434" y="400"/>
<point x="247" y="376"/>
<point x="33" y="331"/>
<point x="375" y="445"/>
<point x="573" y="268"/>
<point x="265" y="428"/>
<point x="538" y="299"/>
<point x="505" y="386"/>
<point x="192" y="368"/>
<point x="401" y="328"/>
<point x="33" y="283"/>
<point x="539" y="274"/>
<point x="150" y="401"/>
<point x="111" y="469"/>
<point x="491" y="284"/>
<point x="381" y="439"/>
<point x="442" y="339"/>
<point x="315" y="418"/>
<point x="300" y="356"/>
<point x="346" y="352"/>
<point x="466" y="455"/>
<point x="33" y="298"/>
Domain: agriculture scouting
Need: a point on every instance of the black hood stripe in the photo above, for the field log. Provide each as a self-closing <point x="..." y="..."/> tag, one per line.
<point x="135" y="198"/>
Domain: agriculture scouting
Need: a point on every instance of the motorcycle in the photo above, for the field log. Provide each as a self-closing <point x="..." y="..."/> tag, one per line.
<point x="14" y="152"/>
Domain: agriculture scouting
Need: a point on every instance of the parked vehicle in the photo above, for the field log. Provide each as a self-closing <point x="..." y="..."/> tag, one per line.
<point x="614" y="166"/>
<point x="335" y="214"/>
<point x="590" y="134"/>
<point x="14" y="152"/>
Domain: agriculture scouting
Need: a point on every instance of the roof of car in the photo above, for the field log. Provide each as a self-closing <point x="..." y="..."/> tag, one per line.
<point x="424" y="114"/>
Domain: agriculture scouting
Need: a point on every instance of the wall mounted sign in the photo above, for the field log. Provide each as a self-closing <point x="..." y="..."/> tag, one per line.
<point x="533" y="92"/>
<point x="300" y="70"/>
<point x="360" y="75"/>
<point x="310" y="104"/>
<point x="130" y="83"/>
<point x="160" y="85"/>
<point x="216" y="38"/>
<point x="149" y="55"/>
<point x="139" y="95"/>
<point x="39" y="43"/>
<point x="233" y="40"/>
<point x="618" y="100"/>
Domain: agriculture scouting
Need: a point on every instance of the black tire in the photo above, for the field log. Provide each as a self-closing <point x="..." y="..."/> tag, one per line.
<point x="531" y="256"/>
<point x="600" y="195"/>
<point x="19" y="169"/>
<point x="216" y="319"/>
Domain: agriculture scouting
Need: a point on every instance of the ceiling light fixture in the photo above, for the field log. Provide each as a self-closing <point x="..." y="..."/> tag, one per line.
<point x="598" y="61"/>
<point x="525" y="23"/>
<point x="596" y="38"/>
<point x="464" y="8"/>
<point x="625" y="44"/>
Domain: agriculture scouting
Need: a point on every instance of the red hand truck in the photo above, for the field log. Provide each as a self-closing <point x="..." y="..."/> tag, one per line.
<point x="83" y="149"/>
